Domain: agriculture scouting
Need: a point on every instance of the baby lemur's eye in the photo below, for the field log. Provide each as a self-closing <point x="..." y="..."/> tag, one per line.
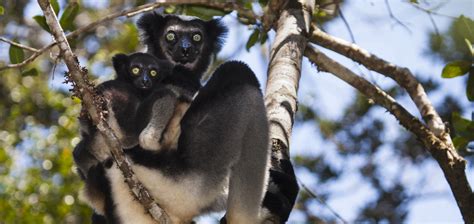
<point x="153" y="73"/>
<point x="135" y="70"/>
<point x="197" y="37"/>
<point x="170" y="36"/>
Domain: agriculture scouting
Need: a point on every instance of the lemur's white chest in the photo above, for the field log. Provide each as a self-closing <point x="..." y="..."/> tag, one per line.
<point x="183" y="198"/>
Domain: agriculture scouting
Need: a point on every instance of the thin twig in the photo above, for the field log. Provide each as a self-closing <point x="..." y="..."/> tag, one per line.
<point x="93" y="25"/>
<point x="338" y="8"/>
<point x="18" y="44"/>
<point x="395" y="18"/>
<point x="434" y="24"/>
<point x="29" y="59"/>
<point x="430" y="11"/>
<point x="322" y="201"/>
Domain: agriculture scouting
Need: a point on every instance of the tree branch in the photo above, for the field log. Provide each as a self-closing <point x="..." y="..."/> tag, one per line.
<point x="110" y="17"/>
<point x="395" y="18"/>
<point x="323" y="202"/>
<point x="446" y="155"/>
<point x="92" y="102"/>
<point x="18" y="44"/>
<point x="284" y="70"/>
<point x="401" y="75"/>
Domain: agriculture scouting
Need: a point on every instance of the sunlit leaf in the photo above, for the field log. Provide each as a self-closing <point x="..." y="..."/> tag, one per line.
<point x="76" y="100"/>
<point x="470" y="85"/>
<point x="69" y="14"/>
<point x="170" y="9"/>
<point x="263" y="38"/>
<point x="203" y="12"/>
<point x="252" y="39"/>
<point x="248" y="5"/>
<point x="16" y="54"/>
<point x="460" y="142"/>
<point x="469" y="46"/>
<point x="55" y="5"/>
<point x="41" y="20"/>
<point x="30" y="72"/>
<point x="455" y="69"/>
<point x="466" y="25"/>
<point x="463" y="127"/>
<point x="2" y="10"/>
<point x="129" y="40"/>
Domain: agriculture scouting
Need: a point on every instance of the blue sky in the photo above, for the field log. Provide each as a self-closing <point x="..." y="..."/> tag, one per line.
<point x="375" y="31"/>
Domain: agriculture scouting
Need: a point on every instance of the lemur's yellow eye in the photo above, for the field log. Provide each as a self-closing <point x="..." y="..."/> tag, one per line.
<point x="153" y="73"/>
<point x="135" y="71"/>
<point x="170" y="36"/>
<point x="197" y="37"/>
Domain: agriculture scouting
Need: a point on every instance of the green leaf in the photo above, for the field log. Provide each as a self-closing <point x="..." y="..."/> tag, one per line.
<point x="69" y="14"/>
<point x="30" y="72"/>
<point x="263" y="38"/>
<point x="170" y="9"/>
<point x="248" y="5"/>
<point x="470" y="85"/>
<point x="55" y="5"/>
<point x="252" y="39"/>
<point x="460" y="142"/>
<point x="469" y="46"/>
<point x="463" y="126"/>
<point x="41" y="20"/>
<point x="76" y="99"/>
<point x="455" y="69"/>
<point x="414" y="1"/>
<point x="16" y="54"/>
<point x="2" y="10"/>
<point x="203" y="12"/>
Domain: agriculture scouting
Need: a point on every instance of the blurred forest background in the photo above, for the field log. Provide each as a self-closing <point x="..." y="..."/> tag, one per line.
<point x="352" y="157"/>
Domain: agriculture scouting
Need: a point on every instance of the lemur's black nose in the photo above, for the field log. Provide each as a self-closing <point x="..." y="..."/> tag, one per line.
<point x="146" y="82"/>
<point x="185" y="51"/>
<point x="185" y="47"/>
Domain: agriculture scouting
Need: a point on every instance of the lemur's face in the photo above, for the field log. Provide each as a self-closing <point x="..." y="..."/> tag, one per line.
<point x="183" y="42"/>
<point x="145" y="71"/>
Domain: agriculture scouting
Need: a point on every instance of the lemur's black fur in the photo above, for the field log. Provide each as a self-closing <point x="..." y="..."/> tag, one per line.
<point x="283" y="188"/>
<point x="231" y="98"/>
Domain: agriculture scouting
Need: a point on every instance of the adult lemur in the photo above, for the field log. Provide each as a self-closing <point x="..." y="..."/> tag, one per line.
<point x="222" y="153"/>
<point x="215" y="120"/>
<point x="192" y="42"/>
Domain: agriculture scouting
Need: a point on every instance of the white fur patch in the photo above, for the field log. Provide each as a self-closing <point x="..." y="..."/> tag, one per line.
<point x="99" y="147"/>
<point x="113" y="123"/>
<point x="97" y="203"/>
<point x="128" y="209"/>
<point x="184" y="197"/>
<point x="149" y="138"/>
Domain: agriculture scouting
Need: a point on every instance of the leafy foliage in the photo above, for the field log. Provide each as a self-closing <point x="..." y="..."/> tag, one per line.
<point x="69" y="15"/>
<point x="16" y="54"/>
<point x="451" y="45"/>
<point x="455" y="69"/>
<point x="41" y="20"/>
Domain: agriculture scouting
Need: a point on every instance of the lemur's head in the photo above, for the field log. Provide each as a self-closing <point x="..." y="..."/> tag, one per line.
<point x="144" y="70"/>
<point x="184" y="40"/>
